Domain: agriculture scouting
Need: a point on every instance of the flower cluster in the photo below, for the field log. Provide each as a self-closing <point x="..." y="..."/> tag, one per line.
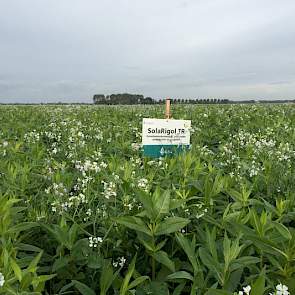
<point x="246" y="290"/>
<point x="2" y="279"/>
<point x="88" y="166"/>
<point x="32" y="137"/>
<point x="78" y="199"/>
<point x="136" y="146"/>
<point x="128" y="202"/>
<point x="93" y="242"/>
<point x="4" y="145"/>
<point x="57" y="189"/>
<point x="109" y="189"/>
<point x="281" y="290"/>
<point x="119" y="262"/>
<point x="143" y="184"/>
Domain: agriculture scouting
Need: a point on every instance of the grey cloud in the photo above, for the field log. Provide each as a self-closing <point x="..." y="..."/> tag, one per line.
<point x="69" y="50"/>
<point x="282" y="82"/>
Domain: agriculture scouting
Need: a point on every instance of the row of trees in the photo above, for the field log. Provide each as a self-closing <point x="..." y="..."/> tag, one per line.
<point x="127" y="98"/>
<point x="124" y="98"/>
<point x="196" y="101"/>
<point x="131" y="99"/>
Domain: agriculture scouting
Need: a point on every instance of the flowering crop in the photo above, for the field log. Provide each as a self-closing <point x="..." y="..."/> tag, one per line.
<point x="83" y="212"/>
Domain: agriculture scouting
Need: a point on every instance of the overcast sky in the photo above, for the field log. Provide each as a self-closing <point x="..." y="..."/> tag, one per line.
<point x="68" y="50"/>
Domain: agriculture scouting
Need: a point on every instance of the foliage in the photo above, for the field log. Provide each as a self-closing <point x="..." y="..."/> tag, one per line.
<point x="83" y="212"/>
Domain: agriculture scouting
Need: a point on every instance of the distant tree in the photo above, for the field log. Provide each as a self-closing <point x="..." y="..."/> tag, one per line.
<point x="99" y="98"/>
<point x="126" y="98"/>
<point x="147" y="100"/>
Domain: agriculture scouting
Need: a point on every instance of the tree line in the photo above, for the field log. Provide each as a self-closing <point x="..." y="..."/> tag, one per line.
<point x="131" y="99"/>
<point x="124" y="98"/>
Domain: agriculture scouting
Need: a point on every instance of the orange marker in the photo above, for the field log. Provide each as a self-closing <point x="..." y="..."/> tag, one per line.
<point x="167" y="112"/>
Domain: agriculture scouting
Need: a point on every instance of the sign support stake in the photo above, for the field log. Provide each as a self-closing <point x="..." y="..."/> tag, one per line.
<point x="167" y="111"/>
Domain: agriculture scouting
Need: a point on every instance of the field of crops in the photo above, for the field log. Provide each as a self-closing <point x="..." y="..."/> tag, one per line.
<point x="83" y="212"/>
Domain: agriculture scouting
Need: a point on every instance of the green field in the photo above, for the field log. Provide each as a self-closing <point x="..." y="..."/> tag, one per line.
<point x="83" y="212"/>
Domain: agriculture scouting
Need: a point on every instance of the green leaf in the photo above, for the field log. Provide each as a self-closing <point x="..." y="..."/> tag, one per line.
<point x="189" y="249"/>
<point x="73" y="232"/>
<point x="82" y="288"/>
<point x="149" y="245"/>
<point x="16" y="269"/>
<point x="134" y="223"/>
<point x="258" y="287"/>
<point x="124" y="287"/>
<point x="218" y="292"/>
<point x="283" y="230"/>
<point x="243" y="261"/>
<point x="27" y="247"/>
<point x="43" y="278"/>
<point x="22" y="227"/>
<point x="94" y="261"/>
<point x="234" y="279"/>
<point x="33" y="264"/>
<point x="26" y="281"/>
<point x="180" y="275"/>
<point x="154" y="288"/>
<point x="65" y="288"/>
<point x="175" y="203"/>
<point x="178" y="289"/>
<point x="163" y="258"/>
<point x="211" y="264"/>
<point x="246" y="260"/>
<point x="161" y="203"/>
<point x="60" y="263"/>
<point x="227" y="251"/>
<point x="107" y="277"/>
<point x="137" y="282"/>
<point x="147" y="203"/>
<point x="160" y="245"/>
<point x="171" y="225"/>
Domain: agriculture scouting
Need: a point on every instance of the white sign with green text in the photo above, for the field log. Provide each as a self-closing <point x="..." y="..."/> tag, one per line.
<point x="162" y="137"/>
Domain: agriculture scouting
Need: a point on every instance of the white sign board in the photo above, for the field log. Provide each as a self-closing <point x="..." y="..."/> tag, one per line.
<point x="159" y="133"/>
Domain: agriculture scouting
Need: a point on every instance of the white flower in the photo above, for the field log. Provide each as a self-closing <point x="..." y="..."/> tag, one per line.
<point x="282" y="290"/>
<point x="2" y="280"/>
<point x="103" y="164"/>
<point x="109" y="189"/>
<point x="135" y="146"/>
<point x="247" y="290"/>
<point x="120" y="262"/>
<point x="115" y="264"/>
<point x="93" y="242"/>
<point x="143" y="184"/>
